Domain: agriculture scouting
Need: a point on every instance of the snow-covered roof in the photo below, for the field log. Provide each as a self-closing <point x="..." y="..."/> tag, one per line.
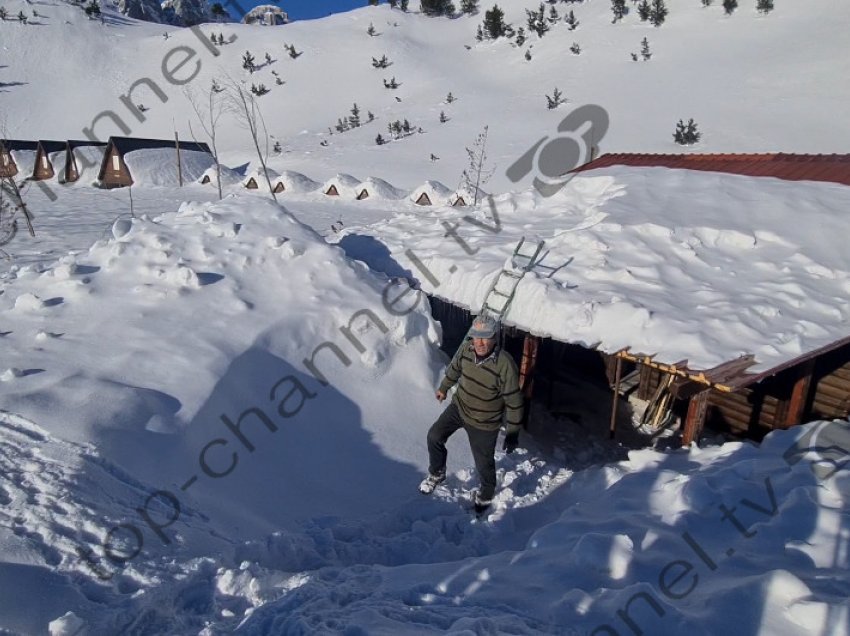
<point x="228" y="176"/>
<point x="345" y="185"/>
<point x="437" y="193"/>
<point x="158" y="166"/>
<point x="256" y="175"/>
<point x="25" y="160"/>
<point x="296" y="182"/>
<point x="677" y="264"/>
<point x="378" y="188"/>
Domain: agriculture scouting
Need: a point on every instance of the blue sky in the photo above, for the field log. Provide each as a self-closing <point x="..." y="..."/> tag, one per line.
<point x="307" y="9"/>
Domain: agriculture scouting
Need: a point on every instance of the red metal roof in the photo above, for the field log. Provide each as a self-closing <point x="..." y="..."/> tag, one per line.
<point x="791" y="167"/>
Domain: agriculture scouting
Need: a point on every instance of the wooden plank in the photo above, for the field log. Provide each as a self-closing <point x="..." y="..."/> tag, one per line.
<point x="615" y="398"/>
<point x="799" y="395"/>
<point x="644" y="388"/>
<point x="728" y="370"/>
<point x="695" y="421"/>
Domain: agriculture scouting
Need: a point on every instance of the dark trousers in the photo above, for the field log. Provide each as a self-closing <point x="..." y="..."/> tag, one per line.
<point x="482" y="443"/>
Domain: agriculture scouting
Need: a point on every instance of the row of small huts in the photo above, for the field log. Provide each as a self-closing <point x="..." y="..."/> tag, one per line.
<point x="44" y="159"/>
<point x="67" y="160"/>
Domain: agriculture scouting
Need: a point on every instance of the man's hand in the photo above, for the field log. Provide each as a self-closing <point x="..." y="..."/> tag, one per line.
<point x="511" y="442"/>
<point x="440" y="396"/>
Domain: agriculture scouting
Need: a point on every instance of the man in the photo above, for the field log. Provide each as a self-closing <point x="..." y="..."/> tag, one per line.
<point x="487" y="389"/>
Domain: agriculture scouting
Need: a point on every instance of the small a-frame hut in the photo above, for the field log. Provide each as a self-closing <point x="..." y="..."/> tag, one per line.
<point x="10" y="151"/>
<point x="79" y="155"/>
<point x="377" y="188"/>
<point x="431" y="193"/>
<point x="114" y="172"/>
<point x="43" y="168"/>
<point x="342" y="185"/>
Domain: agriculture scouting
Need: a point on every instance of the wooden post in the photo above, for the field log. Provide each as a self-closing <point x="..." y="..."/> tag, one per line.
<point x="796" y="406"/>
<point x="697" y="408"/>
<point x="529" y="362"/>
<point x="179" y="165"/>
<point x="618" y="373"/>
<point x="645" y="378"/>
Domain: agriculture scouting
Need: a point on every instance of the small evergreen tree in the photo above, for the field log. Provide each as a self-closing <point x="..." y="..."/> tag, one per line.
<point x="22" y="18"/>
<point x="686" y="134"/>
<point x="248" y="62"/>
<point x="354" y="120"/>
<point x="380" y="140"/>
<point x="217" y="11"/>
<point x="450" y="98"/>
<point x="268" y="59"/>
<point x="277" y="149"/>
<point x="554" y="16"/>
<point x="404" y="4"/>
<point x="370" y="116"/>
<point x="643" y="10"/>
<point x="528" y="55"/>
<point x="393" y="4"/>
<point x="443" y="118"/>
<point x="93" y="9"/>
<point x="371" y="30"/>
<point x="619" y="9"/>
<point x="494" y="23"/>
<point x="479" y="34"/>
<point x="437" y="7"/>
<point x="707" y="3"/>
<point x="536" y="21"/>
<point x="764" y="6"/>
<point x="469" y="6"/>
<point x="555" y="100"/>
<point x="571" y="21"/>
<point x="644" y="50"/>
<point x="575" y="49"/>
<point x="729" y="6"/>
<point x="520" y="36"/>
<point x="658" y="13"/>
<point x="3" y="13"/>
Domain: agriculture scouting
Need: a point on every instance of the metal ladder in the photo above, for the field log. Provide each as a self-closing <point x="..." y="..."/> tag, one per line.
<point x="501" y="293"/>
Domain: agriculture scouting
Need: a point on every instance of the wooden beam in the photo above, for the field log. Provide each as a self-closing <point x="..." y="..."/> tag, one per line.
<point x="795" y="410"/>
<point x="530" y="346"/>
<point x="695" y="421"/>
<point x="615" y="398"/>
<point x="645" y="378"/>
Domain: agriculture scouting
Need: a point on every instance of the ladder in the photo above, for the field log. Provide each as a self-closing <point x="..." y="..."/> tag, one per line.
<point x="501" y="292"/>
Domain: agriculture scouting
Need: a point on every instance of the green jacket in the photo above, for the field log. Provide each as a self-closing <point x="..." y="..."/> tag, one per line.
<point x="486" y="389"/>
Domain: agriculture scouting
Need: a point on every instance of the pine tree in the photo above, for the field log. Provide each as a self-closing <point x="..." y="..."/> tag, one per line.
<point x="619" y="9"/>
<point x="553" y="15"/>
<point x="277" y="149"/>
<point x="643" y="10"/>
<point x="686" y="134"/>
<point x="479" y="34"/>
<point x="707" y="3"/>
<point x="764" y="6"/>
<point x="393" y="4"/>
<point x="536" y="21"/>
<point x="443" y="118"/>
<point x="469" y="6"/>
<point x="478" y="173"/>
<point x="3" y="13"/>
<point x="528" y="54"/>
<point x="437" y="7"/>
<point x="450" y="98"/>
<point x="729" y="6"/>
<point x="644" y="50"/>
<point x="556" y="100"/>
<point x="22" y="18"/>
<point x="571" y="21"/>
<point x="380" y="140"/>
<point x="494" y="23"/>
<point x="371" y="30"/>
<point x="404" y="4"/>
<point x="658" y="13"/>
<point x="575" y="49"/>
<point x="520" y="36"/>
<point x="354" y="120"/>
<point x="248" y="62"/>
<point x="268" y="59"/>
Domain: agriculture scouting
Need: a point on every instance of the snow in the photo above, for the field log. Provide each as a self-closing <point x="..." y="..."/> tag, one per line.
<point x="158" y="166"/>
<point x="137" y="339"/>
<point x="685" y="265"/>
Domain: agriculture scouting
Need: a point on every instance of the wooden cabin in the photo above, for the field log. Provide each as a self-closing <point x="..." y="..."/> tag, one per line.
<point x="114" y="172"/>
<point x="332" y="191"/>
<point x="43" y="168"/>
<point x="278" y="187"/>
<point x="423" y="199"/>
<point x="8" y="147"/>
<point x="459" y="202"/>
<point x="363" y="194"/>
<point x="73" y="169"/>
<point x="251" y="184"/>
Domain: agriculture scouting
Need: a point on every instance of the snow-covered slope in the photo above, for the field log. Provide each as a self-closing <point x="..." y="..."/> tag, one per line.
<point x="752" y="83"/>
